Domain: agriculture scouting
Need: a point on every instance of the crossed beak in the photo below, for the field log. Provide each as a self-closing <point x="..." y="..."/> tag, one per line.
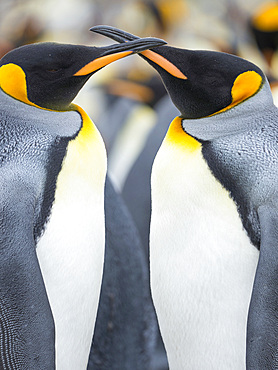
<point x="114" y="52"/>
<point x="125" y="37"/>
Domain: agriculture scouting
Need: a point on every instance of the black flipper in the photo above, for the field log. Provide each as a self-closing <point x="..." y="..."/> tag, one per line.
<point x="262" y="328"/>
<point x="26" y="323"/>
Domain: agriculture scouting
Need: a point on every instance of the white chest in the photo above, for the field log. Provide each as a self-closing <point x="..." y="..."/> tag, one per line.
<point x="71" y="250"/>
<point x="202" y="264"/>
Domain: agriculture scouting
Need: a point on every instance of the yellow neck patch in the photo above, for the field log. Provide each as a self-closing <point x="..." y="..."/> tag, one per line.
<point x="245" y="85"/>
<point x="177" y="137"/>
<point x="85" y="159"/>
<point x="13" y="83"/>
<point x="88" y="132"/>
<point x="266" y="17"/>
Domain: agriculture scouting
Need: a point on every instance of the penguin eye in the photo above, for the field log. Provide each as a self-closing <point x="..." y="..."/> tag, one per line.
<point x="53" y="70"/>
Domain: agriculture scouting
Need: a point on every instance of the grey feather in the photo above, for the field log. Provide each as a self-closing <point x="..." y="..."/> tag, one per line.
<point x="262" y="334"/>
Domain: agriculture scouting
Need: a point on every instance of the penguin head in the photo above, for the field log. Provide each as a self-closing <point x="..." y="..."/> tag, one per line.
<point x="200" y="83"/>
<point x="50" y="75"/>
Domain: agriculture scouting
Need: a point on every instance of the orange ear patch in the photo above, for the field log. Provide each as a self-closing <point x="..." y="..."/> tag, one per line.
<point x="245" y="85"/>
<point x="13" y="82"/>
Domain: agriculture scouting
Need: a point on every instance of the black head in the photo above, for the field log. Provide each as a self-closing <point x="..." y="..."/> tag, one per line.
<point x="210" y="84"/>
<point x="50" y="75"/>
<point x="200" y="83"/>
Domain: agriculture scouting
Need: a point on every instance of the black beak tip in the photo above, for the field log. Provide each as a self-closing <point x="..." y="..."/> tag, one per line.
<point x="159" y="42"/>
<point x="100" y="27"/>
<point x="120" y="35"/>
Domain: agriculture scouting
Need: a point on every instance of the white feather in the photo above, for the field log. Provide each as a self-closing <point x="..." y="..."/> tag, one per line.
<point x="71" y="251"/>
<point x="202" y="264"/>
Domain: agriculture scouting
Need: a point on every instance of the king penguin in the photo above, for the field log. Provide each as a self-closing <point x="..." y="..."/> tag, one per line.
<point x="52" y="233"/>
<point x="213" y="238"/>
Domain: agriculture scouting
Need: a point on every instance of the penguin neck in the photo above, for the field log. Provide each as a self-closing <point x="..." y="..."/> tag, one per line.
<point x="238" y="119"/>
<point x="64" y="124"/>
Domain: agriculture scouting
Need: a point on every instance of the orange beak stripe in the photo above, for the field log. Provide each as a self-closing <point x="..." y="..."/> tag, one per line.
<point x="101" y="62"/>
<point x="164" y="63"/>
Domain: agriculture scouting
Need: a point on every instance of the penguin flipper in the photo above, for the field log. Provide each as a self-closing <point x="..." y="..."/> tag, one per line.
<point x="26" y="322"/>
<point x="262" y="326"/>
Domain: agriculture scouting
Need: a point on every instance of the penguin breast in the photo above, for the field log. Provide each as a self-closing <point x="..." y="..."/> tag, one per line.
<point x="71" y="250"/>
<point x="201" y="261"/>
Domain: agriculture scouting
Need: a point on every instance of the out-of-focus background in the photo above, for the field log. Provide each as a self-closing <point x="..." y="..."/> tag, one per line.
<point x="127" y="100"/>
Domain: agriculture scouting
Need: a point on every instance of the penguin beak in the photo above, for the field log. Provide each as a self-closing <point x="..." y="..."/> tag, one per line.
<point x="124" y="37"/>
<point x="114" y="52"/>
